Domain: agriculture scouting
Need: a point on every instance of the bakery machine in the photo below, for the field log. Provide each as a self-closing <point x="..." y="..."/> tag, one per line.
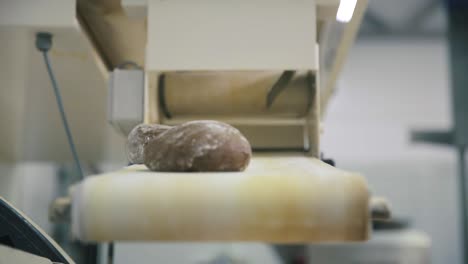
<point x="266" y="67"/>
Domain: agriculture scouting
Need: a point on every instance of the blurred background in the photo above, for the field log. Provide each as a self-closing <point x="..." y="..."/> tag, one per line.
<point x="397" y="79"/>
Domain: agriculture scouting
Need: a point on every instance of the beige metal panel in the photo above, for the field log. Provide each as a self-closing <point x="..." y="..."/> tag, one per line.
<point x="98" y="57"/>
<point x="117" y="37"/>
<point x="312" y="128"/>
<point x="230" y="94"/>
<point x="137" y="9"/>
<point x="277" y="199"/>
<point x="231" y="35"/>
<point x="38" y="14"/>
<point x="152" y="111"/>
<point x="326" y="9"/>
<point x="239" y="99"/>
<point x="326" y="12"/>
<point x="274" y="137"/>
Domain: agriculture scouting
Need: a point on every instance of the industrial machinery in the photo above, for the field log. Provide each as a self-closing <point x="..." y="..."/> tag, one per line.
<point x="265" y="67"/>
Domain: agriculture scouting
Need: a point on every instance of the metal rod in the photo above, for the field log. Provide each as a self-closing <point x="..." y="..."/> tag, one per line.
<point x="463" y="200"/>
<point x="110" y="253"/>
<point x="58" y="98"/>
<point x="457" y="43"/>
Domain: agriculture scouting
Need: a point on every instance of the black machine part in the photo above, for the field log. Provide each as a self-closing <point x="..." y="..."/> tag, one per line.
<point x="18" y="232"/>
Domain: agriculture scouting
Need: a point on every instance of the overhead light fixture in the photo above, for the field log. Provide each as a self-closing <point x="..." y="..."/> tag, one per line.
<point x="345" y="10"/>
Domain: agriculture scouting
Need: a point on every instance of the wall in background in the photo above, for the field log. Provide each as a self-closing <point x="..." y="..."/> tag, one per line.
<point x="31" y="129"/>
<point x="387" y="88"/>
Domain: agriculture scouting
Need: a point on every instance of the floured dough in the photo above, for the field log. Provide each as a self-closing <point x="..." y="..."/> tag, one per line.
<point x="137" y="139"/>
<point x="198" y="146"/>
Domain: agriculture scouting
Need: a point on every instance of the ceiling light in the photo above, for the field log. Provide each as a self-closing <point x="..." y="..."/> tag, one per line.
<point x="345" y="10"/>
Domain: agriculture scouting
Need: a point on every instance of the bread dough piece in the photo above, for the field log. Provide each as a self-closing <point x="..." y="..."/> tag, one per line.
<point x="198" y="146"/>
<point x="138" y="137"/>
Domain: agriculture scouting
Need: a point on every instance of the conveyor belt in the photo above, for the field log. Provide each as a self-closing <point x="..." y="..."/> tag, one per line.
<point x="277" y="199"/>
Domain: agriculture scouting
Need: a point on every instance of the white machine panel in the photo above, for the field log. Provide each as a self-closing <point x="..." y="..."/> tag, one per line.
<point x="125" y="99"/>
<point x="231" y="35"/>
<point x="38" y="14"/>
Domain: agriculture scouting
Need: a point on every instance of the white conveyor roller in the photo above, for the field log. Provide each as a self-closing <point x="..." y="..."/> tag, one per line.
<point x="277" y="199"/>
